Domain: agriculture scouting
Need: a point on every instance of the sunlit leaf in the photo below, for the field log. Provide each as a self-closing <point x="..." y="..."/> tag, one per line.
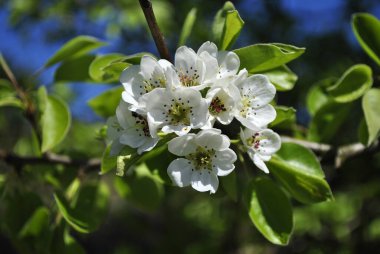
<point x="107" y="68"/>
<point x="262" y="57"/>
<point x="367" y="31"/>
<point x="270" y="210"/>
<point x="74" y="69"/>
<point x="353" y="84"/>
<point x="297" y="168"/>
<point x="187" y="26"/>
<point x="327" y="121"/>
<point x="36" y="224"/>
<point x="371" y="108"/>
<point x="232" y="28"/>
<point x="219" y="22"/>
<point x="76" y="47"/>
<point x="106" y="103"/>
<point x="90" y="207"/>
<point x="282" y="78"/>
<point x="317" y="95"/>
<point x="55" y="120"/>
<point x="284" y="114"/>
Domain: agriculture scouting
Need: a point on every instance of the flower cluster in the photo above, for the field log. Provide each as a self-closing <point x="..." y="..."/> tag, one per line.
<point x="187" y="98"/>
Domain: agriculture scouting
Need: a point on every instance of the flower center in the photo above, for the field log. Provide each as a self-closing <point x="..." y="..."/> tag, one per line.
<point x="187" y="79"/>
<point x="254" y="141"/>
<point x="202" y="158"/>
<point x="216" y="106"/>
<point x="179" y="113"/>
<point x="246" y="105"/>
<point x="142" y="123"/>
<point x="149" y="85"/>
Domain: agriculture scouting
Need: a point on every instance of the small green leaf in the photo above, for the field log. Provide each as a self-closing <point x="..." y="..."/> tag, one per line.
<point x="187" y="26"/>
<point x="284" y="114"/>
<point x="8" y="95"/>
<point x="327" y="121"/>
<point x="353" y="84"/>
<point x="270" y="210"/>
<point x="74" y="69"/>
<point x="282" y="78"/>
<point x="371" y="108"/>
<point x="317" y="95"/>
<point x="297" y="168"/>
<point x="102" y="69"/>
<point x="37" y="223"/>
<point x="219" y="22"/>
<point x="232" y="28"/>
<point x="367" y="31"/>
<point x="76" y="47"/>
<point x="263" y="57"/>
<point x="55" y="120"/>
<point x="89" y="209"/>
<point x="108" y="161"/>
<point x="106" y="103"/>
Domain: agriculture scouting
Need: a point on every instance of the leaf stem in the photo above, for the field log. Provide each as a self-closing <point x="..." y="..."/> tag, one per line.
<point x="146" y="6"/>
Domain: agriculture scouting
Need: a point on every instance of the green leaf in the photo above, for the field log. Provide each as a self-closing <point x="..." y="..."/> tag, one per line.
<point x="107" y="68"/>
<point x="144" y="190"/>
<point x="270" y="210"/>
<point x="229" y="184"/>
<point x="282" y="78"/>
<point x="371" y="108"/>
<point x="64" y="243"/>
<point x="106" y="103"/>
<point x="317" y="95"/>
<point x="367" y="31"/>
<point x="89" y="209"/>
<point x="363" y="134"/>
<point x="297" y="168"/>
<point x="55" y="120"/>
<point x="353" y="84"/>
<point x="327" y="121"/>
<point x="76" y="47"/>
<point x="74" y="69"/>
<point x="8" y="95"/>
<point x="187" y="26"/>
<point x="108" y="161"/>
<point x="219" y="22"/>
<point x="263" y="57"/>
<point x="232" y="28"/>
<point x="37" y="223"/>
<point x="284" y="114"/>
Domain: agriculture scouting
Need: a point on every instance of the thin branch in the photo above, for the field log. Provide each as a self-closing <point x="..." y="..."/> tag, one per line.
<point x="146" y="6"/>
<point x="316" y="147"/>
<point x="49" y="159"/>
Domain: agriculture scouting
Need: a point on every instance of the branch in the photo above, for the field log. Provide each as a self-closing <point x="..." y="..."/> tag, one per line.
<point x="146" y="6"/>
<point x="316" y="147"/>
<point x="49" y="159"/>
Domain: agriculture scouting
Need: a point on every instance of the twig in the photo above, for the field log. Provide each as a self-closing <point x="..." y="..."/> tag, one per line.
<point x="146" y="6"/>
<point x="50" y="159"/>
<point x="316" y="147"/>
<point x="347" y="151"/>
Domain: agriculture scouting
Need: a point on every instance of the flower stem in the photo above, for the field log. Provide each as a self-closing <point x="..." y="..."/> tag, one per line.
<point x="146" y="6"/>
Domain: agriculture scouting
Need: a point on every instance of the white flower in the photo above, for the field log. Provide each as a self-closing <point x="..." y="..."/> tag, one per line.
<point x="222" y="98"/>
<point x="219" y="64"/>
<point x="190" y="70"/>
<point x="256" y="93"/>
<point x="178" y="110"/>
<point x="141" y="79"/>
<point x="206" y="156"/>
<point x="113" y="134"/>
<point x="261" y="145"/>
<point x="131" y="129"/>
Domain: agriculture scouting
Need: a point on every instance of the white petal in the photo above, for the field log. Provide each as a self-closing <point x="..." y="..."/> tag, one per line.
<point x="208" y="47"/>
<point x="149" y="144"/>
<point x="258" y="118"/>
<point x="129" y="98"/>
<point x="132" y="81"/>
<point x="182" y="146"/>
<point x="124" y="116"/>
<point x="224" y="161"/>
<point x="165" y="64"/>
<point x="259" y="163"/>
<point x="116" y="147"/>
<point x="270" y="142"/>
<point x="200" y="114"/>
<point x="229" y="63"/>
<point x="212" y="139"/>
<point x="180" y="172"/>
<point x="131" y="137"/>
<point x="150" y="67"/>
<point x="184" y="58"/>
<point x="113" y="131"/>
<point x="204" y="180"/>
<point x="212" y="66"/>
<point x="260" y="89"/>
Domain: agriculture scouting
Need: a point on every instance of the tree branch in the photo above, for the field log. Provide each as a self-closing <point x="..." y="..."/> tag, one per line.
<point x="316" y="147"/>
<point x="146" y="6"/>
<point x="49" y="159"/>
